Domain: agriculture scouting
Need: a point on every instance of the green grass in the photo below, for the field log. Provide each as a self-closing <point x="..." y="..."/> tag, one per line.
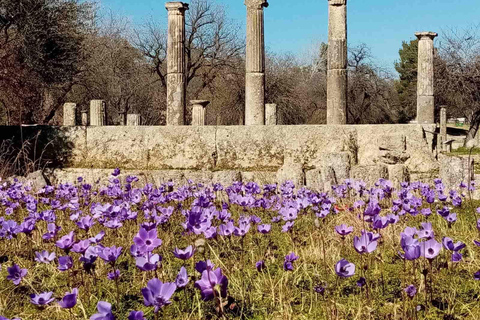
<point x="464" y="151"/>
<point x="273" y="293"/>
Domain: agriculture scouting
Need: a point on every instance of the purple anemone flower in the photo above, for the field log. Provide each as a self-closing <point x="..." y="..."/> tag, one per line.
<point x="44" y="256"/>
<point x="411" y="247"/>
<point x="426" y="232"/>
<point x="201" y="266"/>
<point x="209" y="280"/>
<point x="65" y="263"/>
<point x="182" y="278"/>
<point x="361" y="282"/>
<point x="430" y="248"/>
<point x="148" y="263"/>
<point x="227" y="229"/>
<point x="288" y="262"/>
<point x="185" y="254"/>
<point x="15" y="274"/>
<point x="136" y="315"/>
<point x="66" y="242"/>
<point x="449" y="245"/>
<point x="344" y="269"/>
<point x="264" y="228"/>
<point x="104" y="312"/>
<point x="364" y="244"/>
<point x="81" y="246"/>
<point x="158" y="294"/>
<point x="41" y="299"/>
<point x="411" y="291"/>
<point x="476" y="275"/>
<point x="260" y="265"/>
<point x="288" y="226"/>
<point x="110" y="255"/>
<point x="114" y="275"/>
<point x="343" y="230"/>
<point x="69" y="300"/>
<point x="147" y="240"/>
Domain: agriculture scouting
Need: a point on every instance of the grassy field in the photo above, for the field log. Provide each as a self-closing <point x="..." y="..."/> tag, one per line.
<point x="265" y="281"/>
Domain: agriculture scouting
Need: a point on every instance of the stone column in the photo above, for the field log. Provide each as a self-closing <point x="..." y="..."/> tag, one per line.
<point x="198" y="112"/>
<point x="255" y="64"/>
<point x="69" y="114"/>
<point x="84" y="117"/>
<point x="176" y="78"/>
<point x="443" y="128"/>
<point x="133" y="119"/>
<point x="425" y="93"/>
<point x="271" y="114"/>
<point x="97" y="113"/>
<point x="337" y="62"/>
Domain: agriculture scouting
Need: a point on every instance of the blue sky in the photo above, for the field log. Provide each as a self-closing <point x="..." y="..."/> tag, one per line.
<point x="296" y="25"/>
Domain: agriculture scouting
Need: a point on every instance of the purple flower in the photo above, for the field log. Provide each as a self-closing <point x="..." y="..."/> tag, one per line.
<point x="104" y="312"/>
<point x="69" y="300"/>
<point x="147" y="240"/>
<point x="319" y="288"/>
<point x="41" y="299"/>
<point x="343" y="230"/>
<point x="449" y="245"/>
<point x="260" y="265"/>
<point x="226" y="229"/>
<point x="477" y="243"/>
<point x="288" y="262"/>
<point x="136" y="315"/>
<point x="158" y="294"/>
<point x="148" y="263"/>
<point x="66" y="242"/>
<point x="209" y="280"/>
<point x="110" y="255"/>
<point x="44" y="256"/>
<point x="264" y="228"/>
<point x="476" y="275"/>
<point x="65" y="263"/>
<point x="182" y="278"/>
<point x="426" y="232"/>
<point x="364" y="244"/>
<point x="411" y="247"/>
<point x="242" y="229"/>
<point x="185" y="254"/>
<point x="361" y="282"/>
<point x="380" y="222"/>
<point x="430" y="248"/>
<point x="201" y="266"/>
<point x="97" y="238"/>
<point x="114" y="275"/>
<point x="116" y="172"/>
<point x="411" y="291"/>
<point x="81" y="246"/>
<point x="288" y="226"/>
<point x="15" y="274"/>
<point x="344" y="269"/>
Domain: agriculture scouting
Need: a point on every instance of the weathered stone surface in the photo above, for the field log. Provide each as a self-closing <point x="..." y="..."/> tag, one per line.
<point x="270" y="114"/>
<point x="37" y="180"/>
<point x="84" y="118"/>
<point x="314" y="179"/>
<point x="442" y="138"/>
<point x="69" y="114"/>
<point x="425" y="90"/>
<point x="198" y="112"/>
<point x="370" y="174"/>
<point x="455" y="170"/>
<point x="176" y="79"/>
<point x="337" y="62"/>
<point x="133" y="119"/>
<point x="255" y="64"/>
<point x="397" y="174"/>
<point x="291" y="172"/>
<point x="260" y="177"/>
<point x="226" y="177"/>
<point x="335" y="167"/>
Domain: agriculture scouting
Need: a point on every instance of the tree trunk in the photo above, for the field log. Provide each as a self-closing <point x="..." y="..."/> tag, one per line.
<point x="474" y="125"/>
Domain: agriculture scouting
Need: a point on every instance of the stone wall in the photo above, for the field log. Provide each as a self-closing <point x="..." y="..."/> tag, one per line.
<point x="317" y="156"/>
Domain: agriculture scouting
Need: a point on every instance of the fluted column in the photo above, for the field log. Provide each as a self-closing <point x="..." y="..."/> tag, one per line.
<point x="176" y="78"/>
<point x="69" y="114"/>
<point x="97" y="113"/>
<point x="271" y="114"/>
<point x="337" y="62"/>
<point x="425" y="91"/>
<point x="198" y="112"/>
<point x="133" y="119"/>
<point x="255" y="64"/>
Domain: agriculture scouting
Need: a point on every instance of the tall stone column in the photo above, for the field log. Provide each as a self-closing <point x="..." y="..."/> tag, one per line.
<point x="85" y="118"/>
<point x="443" y="127"/>
<point x="176" y="78"/>
<point x="337" y="62"/>
<point x="97" y="113"/>
<point x="425" y="92"/>
<point x="69" y="114"/>
<point x="255" y="64"/>
<point x="198" y="112"/>
<point x="271" y="114"/>
<point x="133" y="119"/>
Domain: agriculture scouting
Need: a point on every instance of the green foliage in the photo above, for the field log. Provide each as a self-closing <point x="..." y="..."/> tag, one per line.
<point x="407" y="85"/>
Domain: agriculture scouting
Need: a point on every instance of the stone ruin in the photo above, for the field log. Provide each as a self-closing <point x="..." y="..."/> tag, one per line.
<point x="317" y="156"/>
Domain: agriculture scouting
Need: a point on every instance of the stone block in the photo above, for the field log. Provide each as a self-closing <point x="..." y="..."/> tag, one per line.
<point x="260" y="177"/>
<point x="397" y="174"/>
<point x="455" y="170"/>
<point x="370" y="174"/>
<point x="37" y="180"/>
<point x="226" y="178"/>
<point x="293" y="172"/>
<point x="314" y="179"/>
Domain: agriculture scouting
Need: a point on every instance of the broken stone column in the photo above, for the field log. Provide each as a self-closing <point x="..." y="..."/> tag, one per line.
<point x="176" y="78"/>
<point x="69" y="114"/>
<point x="271" y="114"/>
<point x="84" y="117"/>
<point x="97" y="113"/>
<point x="255" y="64"/>
<point x="425" y="92"/>
<point x="337" y="62"/>
<point x="198" y="112"/>
<point x="133" y="119"/>
<point x="443" y="127"/>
